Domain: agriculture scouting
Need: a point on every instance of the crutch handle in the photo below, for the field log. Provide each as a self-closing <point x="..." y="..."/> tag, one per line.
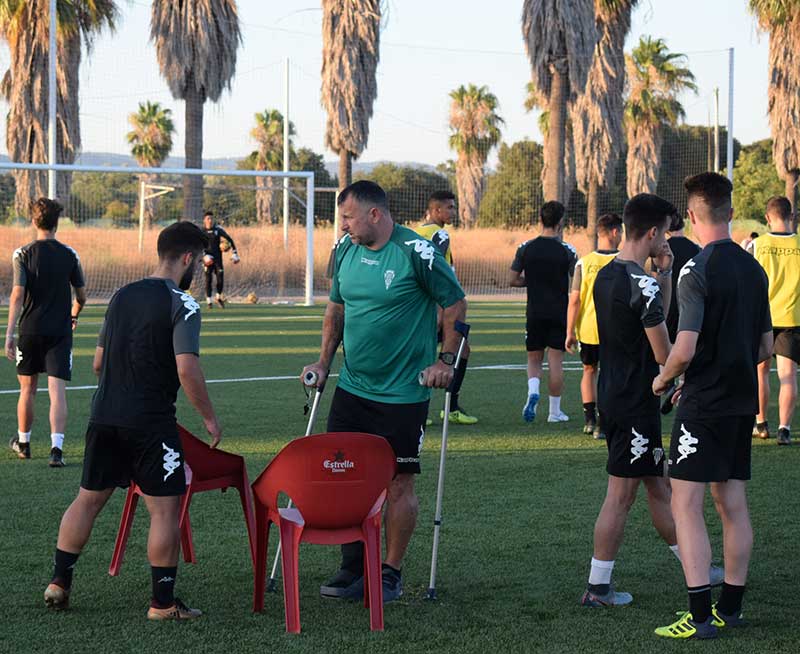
<point x="310" y="378"/>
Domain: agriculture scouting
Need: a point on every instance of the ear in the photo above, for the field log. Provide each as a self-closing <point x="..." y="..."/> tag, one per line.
<point x="186" y="258"/>
<point x="652" y="233"/>
<point x="692" y="217"/>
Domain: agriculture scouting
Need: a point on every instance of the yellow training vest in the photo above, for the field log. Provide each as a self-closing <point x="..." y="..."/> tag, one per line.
<point x="779" y="255"/>
<point x="587" y="316"/>
<point x="439" y="237"/>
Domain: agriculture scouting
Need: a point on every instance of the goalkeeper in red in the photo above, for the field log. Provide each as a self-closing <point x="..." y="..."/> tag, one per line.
<point x="212" y="258"/>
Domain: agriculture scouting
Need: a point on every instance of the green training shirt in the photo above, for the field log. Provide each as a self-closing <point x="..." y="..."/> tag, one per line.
<point x="390" y="297"/>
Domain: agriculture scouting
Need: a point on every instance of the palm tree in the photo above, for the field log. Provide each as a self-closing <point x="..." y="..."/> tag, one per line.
<point x="781" y="18"/>
<point x="268" y="133"/>
<point x="151" y="141"/>
<point x="196" y="43"/>
<point x="655" y="79"/>
<point x="350" y="40"/>
<point x="475" y="130"/>
<point x="598" y="111"/>
<point x="559" y="39"/>
<point x="25" y="26"/>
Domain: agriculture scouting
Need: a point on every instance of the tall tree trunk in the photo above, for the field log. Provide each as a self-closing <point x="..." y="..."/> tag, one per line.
<point x="345" y="168"/>
<point x="791" y="187"/>
<point x="193" y="184"/>
<point x="557" y="106"/>
<point x="591" y="211"/>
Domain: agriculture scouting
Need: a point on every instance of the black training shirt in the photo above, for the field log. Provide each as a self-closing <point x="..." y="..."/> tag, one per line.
<point x="627" y="301"/>
<point x="683" y="249"/>
<point x="46" y="269"/>
<point x="215" y="234"/>
<point x="147" y="324"/>
<point x="722" y="294"/>
<point x="548" y="263"/>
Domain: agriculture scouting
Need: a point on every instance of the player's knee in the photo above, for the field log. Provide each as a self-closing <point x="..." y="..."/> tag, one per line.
<point x="401" y="490"/>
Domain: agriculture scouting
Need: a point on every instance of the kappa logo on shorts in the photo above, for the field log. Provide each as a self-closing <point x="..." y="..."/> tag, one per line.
<point x="70" y="360"/>
<point x="424" y="249"/>
<point x="188" y="302"/>
<point x="339" y="463"/>
<point x="649" y="287"/>
<point x="638" y="445"/>
<point x="388" y="278"/>
<point x="172" y="460"/>
<point x="686" y="443"/>
<point x="421" y="440"/>
<point x="19" y="357"/>
<point x="658" y="454"/>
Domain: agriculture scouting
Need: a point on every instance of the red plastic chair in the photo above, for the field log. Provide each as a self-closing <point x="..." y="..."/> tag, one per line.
<point x="337" y="482"/>
<point x="206" y="469"/>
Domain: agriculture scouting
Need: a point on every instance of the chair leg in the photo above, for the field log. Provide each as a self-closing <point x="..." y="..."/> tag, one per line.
<point x="290" y="553"/>
<point x="246" y="498"/>
<point x="187" y="542"/>
<point x="131" y="500"/>
<point x="372" y="557"/>
<point x="262" y="525"/>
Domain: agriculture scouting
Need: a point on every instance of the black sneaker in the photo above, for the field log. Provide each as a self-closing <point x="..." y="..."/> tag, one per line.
<point x="761" y="430"/>
<point x="56" y="458"/>
<point x="589" y="426"/>
<point x="343" y="585"/>
<point x="392" y="584"/>
<point x="23" y="450"/>
<point x="784" y="437"/>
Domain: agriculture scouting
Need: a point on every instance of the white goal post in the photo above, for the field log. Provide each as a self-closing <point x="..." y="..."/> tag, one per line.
<point x="11" y="166"/>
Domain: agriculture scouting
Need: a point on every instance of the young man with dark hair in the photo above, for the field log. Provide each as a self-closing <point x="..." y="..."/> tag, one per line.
<point x="683" y="249"/>
<point x="386" y="285"/>
<point x="441" y="213"/>
<point x="544" y="266"/>
<point x="582" y="318"/>
<point x="778" y="252"/>
<point x="212" y="258"/>
<point x="44" y="271"/>
<point x="148" y="347"/>
<point x="724" y="330"/>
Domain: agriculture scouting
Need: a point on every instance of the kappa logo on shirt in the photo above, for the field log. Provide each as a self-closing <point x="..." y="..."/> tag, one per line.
<point x="189" y="302"/>
<point x="388" y="278"/>
<point x="687" y="268"/>
<point x="172" y="460"/>
<point x="638" y="445"/>
<point x="424" y="249"/>
<point x="649" y="287"/>
<point x="686" y="446"/>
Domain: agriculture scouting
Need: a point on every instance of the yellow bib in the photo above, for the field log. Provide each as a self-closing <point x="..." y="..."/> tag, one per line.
<point x="431" y="231"/>
<point x="587" y="317"/>
<point x="779" y="255"/>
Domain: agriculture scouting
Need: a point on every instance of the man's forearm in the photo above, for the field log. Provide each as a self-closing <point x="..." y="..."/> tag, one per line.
<point x="665" y="283"/>
<point x="573" y="309"/>
<point x="674" y="367"/>
<point x="332" y="330"/>
<point x="194" y="386"/>
<point x="450" y="337"/>
<point x="14" y="309"/>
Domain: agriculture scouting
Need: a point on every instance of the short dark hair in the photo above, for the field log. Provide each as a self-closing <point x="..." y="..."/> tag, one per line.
<point x="608" y="221"/>
<point x="440" y="196"/>
<point x="366" y="192"/>
<point x="179" y="238"/>
<point x="643" y="212"/>
<point x="753" y="234"/>
<point x="678" y="222"/>
<point x="780" y="206"/>
<point x="209" y="213"/>
<point x="45" y="213"/>
<point x="551" y="213"/>
<point x="715" y="191"/>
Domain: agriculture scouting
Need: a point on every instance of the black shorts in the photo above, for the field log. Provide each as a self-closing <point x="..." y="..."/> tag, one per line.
<point x="116" y="455"/>
<point x="787" y="342"/>
<point x="403" y="425"/>
<point x="542" y="332"/>
<point x="50" y="354"/>
<point x="634" y="445"/>
<point x="711" y="449"/>
<point x="590" y="354"/>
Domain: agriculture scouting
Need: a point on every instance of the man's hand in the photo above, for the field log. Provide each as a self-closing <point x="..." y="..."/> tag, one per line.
<point x="439" y="375"/>
<point x="571" y="343"/>
<point x="11" y="348"/>
<point x="663" y="260"/>
<point x="320" y="370"/>
<point x="661" y="385"/>
<point x="214" y="430"/>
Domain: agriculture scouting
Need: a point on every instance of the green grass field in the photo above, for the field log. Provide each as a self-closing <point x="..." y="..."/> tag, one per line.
<point x="519" y="508"/>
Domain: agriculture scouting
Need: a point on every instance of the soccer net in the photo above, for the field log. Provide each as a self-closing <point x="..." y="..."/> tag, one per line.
<point x="112" y="217"/>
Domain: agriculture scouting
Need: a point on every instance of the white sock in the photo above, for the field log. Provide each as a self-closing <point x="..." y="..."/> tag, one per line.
<point x="57" y="440"/>
<point x="24" y="436"/>
<point x="786" y="427"/>
<point x="533" y="386"/>
<point x="555" y="405"/>
<point x="208" y="300"/>
<point x="675" y="551"/>
<point x="600" y="572"/>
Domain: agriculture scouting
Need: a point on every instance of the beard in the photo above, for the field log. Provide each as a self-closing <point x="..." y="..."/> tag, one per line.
<point x="186" y="280"/>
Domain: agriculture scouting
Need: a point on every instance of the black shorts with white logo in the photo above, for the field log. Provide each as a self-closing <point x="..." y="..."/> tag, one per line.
<point x="50" y="354"/>
<point x="634" y="445"/>
<point x="590" y="354"/>
<point x="541" y="333"/>
<point x="711" y="449"/>
<point x="787" y="342"/>
<point x="403" y="425"/>
<point x="115" y="456"/>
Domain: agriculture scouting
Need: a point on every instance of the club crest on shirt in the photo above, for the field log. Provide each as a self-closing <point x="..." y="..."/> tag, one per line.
<point x="388" y="278"/>
<point x="424" y="249"/>
<point x="188" y="302"/>
<point x="649" y="287"/>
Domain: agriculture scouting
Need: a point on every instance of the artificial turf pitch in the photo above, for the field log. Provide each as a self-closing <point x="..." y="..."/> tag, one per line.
<point x="519" y="508"/>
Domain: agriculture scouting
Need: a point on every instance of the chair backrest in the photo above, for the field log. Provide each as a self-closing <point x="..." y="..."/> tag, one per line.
<point x="206" y="462"/>
<point x="334" y="479"/>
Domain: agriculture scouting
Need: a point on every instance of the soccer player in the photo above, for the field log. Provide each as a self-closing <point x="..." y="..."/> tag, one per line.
<point x="386" y="286"/>
<point x="41" y="298"/>
<point x="441" y="213"/>
<point x="582" y="319"/>
<point x="724" y="330"/>
<point x="683" y="249"/>
<point x="148" y="347"/>
<point x="212" y="258"/>
<point x="778" y="252"/>
<point x="544" y="266"/>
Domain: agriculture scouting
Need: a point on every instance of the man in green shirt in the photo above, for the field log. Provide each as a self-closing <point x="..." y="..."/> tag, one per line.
<point x="386" y="284"/>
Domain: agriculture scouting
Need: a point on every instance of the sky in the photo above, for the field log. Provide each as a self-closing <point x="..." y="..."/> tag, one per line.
<point x="428" y="48"/>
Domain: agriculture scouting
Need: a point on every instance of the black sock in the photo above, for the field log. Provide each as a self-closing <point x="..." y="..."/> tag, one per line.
<point x="589" y="412"/>
<point x="700" y="602"/>
<point x="396" y="571"/>
<point x="353" y="557"/>
<point x="163" y="585"/>
<point x="64" y="562"/>
<point x="730" y="600"/>
<point x="458" y="379"/>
